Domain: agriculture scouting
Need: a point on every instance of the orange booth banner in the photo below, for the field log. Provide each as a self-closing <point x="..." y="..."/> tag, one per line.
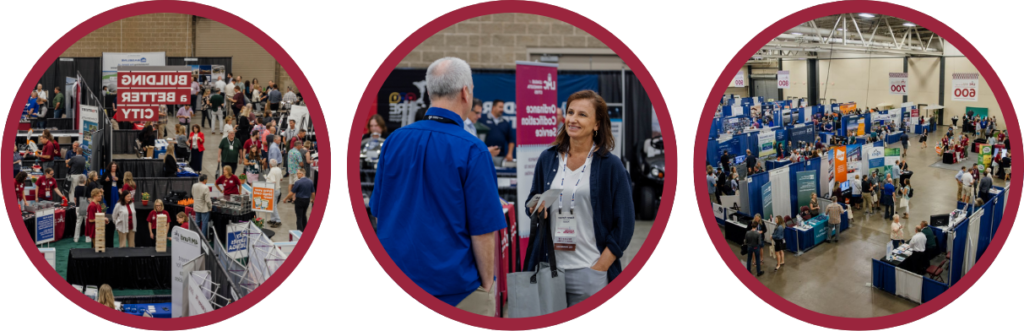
<point x="840" y="153"/>
<point x="847" y="108"/>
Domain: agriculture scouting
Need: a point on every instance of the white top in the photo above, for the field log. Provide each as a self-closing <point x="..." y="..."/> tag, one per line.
<point x="227" y="128"/>
<point x="195" y="87"/>
<point x="255" y="94"/>
<point x="229" y="90"/>
<point x="195" y="141"/>
<point x="274" y="176"/>
<point x="42" y="95"/>
<point x="586" y="253"/>
<point x="917" y="242"/>
<point x="897" y="231"/>
<point x="219" y="85"/>
<point x="968" y="179"/>
<point x="469" y="126"/>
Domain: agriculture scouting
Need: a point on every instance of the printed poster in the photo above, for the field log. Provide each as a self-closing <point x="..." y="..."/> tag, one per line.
<point x="840" y="156"/>
<point x="739" y="81"/>
<point x="536" y="103"/>
<point x="984" y="156"/>
<point x="806" y="184"/>
<point x="263" y="197"/>
<point x="237" y="236"/>
<point x="854" y="161"/>
<point x="766" y="143"/>
<point x="766" y="199"/>
<point x="44" y="226"/>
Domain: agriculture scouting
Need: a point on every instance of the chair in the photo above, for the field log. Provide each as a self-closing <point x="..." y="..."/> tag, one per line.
<point x="935" y="271"/>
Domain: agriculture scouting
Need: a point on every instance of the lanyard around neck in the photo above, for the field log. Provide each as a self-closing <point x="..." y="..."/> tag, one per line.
<point x="565" y="171"/>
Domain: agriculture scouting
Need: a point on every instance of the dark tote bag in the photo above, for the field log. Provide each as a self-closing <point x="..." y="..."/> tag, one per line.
<point x="539" y="292"/>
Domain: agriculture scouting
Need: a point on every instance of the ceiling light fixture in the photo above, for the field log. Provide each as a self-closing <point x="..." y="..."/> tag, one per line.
<point x="866" y="15"/>
<point x="909" y="24"/>
<point x="797" y="34"/>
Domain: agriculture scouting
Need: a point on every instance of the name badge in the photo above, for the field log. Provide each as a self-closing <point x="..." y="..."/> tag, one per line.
<point x="565" y="232"/>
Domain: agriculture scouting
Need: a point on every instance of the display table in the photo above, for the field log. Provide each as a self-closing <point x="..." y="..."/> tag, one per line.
<point x="157" y="310"/>
<point x="138" y="268"/>
<point x="736" y="227"/>
<point x="948" y="158"/>
<point x="802" y="239"/>
<point x="893" y="137"/>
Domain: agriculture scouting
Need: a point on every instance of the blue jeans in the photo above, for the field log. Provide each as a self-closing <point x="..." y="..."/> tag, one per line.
<point x="751" y="251"/>
<point x="204" y="223"/>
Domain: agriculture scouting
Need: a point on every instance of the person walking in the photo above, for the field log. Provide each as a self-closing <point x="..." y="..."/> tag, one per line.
<point x="196" y="142"/>
<point x="778" y="241"/>
<point x="712" y="184"/>
<point x="905" y="196"/>
<point x="204" y="109"/>
<point x="888" y="199"/>
<point x="216" y="110"/>
<point x="967" y="192"/>
<point x="835" y="217"/>
<point x="896" y="234"/>
<point x="228" y="150"/>
<point x="960" y="183"/>
<point x="868" y="195"/>
<point x="752" y="239"/>
<point x="202" y="203"/>
<point x="302" y="195"/>
<point x="436" y="198"/>
<point x="274" y="177"/>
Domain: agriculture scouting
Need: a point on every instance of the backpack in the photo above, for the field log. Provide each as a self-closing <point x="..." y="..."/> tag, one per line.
<point x="911" y="193"/>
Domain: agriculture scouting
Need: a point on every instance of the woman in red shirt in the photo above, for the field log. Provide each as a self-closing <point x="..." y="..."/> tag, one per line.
<point x="196" y="140"/>
<point x="158" y="209"/>
<point x="230" y="181"/>
<point x="128" y="188"/>
<point x="90" y="216"/>
<point x="19" y="188"/>
<point x="47" y="189"/>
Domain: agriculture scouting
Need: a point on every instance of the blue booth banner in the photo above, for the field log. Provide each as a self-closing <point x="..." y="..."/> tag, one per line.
<point x="44" y="226"/>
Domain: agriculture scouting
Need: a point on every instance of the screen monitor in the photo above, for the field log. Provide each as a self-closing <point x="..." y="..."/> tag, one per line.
<point x="740" y="159"/>
<point x="939" y="220"/>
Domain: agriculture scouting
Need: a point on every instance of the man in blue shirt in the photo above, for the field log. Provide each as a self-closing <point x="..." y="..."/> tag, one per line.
<point x="275" y="150"/>
<point x="470" y="122"/>
<point x="500" y="134"/>
<point x="436" y="198"/>
<point x="888" y="199"/>
<point x="302" y="194"/>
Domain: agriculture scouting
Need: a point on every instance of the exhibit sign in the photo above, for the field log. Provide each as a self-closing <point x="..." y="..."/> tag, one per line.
<point x="831" y="170"/>
<point x="806" y="184"/>
<point x="848" y="108"/>
<point x="141" y="91"/>
<point x="263" y="197"/>
<point x="536" y="124"/>
<point x="739" y="81"/>
<point x="984" y="156"/>
<point x="765" y="143"/>
<point x="185" y="247"/>
<point x="898" y="83"/>
<point x="44" y="225"/>
<point x="111" y="61"/>
<point x="782" y="78"/>
<point x="766" y="199"/>
<point x="840" y="155"/>
<point x="237" y="240"/>
<point x="88" y="123"/>
<point x="854" y="161"/>
<point x="965" y="87"/>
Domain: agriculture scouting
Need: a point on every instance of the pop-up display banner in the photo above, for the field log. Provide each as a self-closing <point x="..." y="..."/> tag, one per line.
<point x="185" y="247"/>
<point x="536" y="103"/>
<point x="44" y="226"/>
<point x="141" y="91"/>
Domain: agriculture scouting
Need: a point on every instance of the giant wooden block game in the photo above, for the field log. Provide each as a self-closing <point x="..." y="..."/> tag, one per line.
<point x="161" y="233"/>
<point x="100" y="242"/>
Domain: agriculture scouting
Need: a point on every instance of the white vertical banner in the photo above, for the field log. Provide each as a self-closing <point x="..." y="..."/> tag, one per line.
<point x="739" y="81"/>
<point x="782" y="77"/>
<point x="536" y="101"/>
<point x="898" y="83"/>
<point x="185" y="247"/>
<point x="965" y="87"/>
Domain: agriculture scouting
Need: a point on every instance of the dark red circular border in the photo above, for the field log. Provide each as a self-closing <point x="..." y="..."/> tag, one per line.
<point x="298" y="78"/>
<point x="435" y="26"/>
<point x="728" y="256"/>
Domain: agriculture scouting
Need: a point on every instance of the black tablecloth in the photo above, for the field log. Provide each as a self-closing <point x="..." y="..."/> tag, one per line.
<point x="736" y="232"/>
<point x="124" y="141"/>
<point x="139" y="268"/>
<point x="220" y="222"/>
<point x="142" y="236"/>
<point x="141" y="168"/>
<point x="947" y="158"/>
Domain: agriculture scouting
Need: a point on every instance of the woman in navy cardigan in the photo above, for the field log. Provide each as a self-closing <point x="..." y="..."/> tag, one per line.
<point x="592" y="219"/>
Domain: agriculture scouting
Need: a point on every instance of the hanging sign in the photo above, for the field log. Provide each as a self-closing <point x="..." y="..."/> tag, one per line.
<point x="141" y="91"/>
<point x="965" y="87"/>
<point x="898" y="83"/>
<point x="739" y="81"/>
<point x="783" y="79"/>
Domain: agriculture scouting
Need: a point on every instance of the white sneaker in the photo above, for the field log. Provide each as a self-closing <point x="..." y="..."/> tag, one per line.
<point x="88" y="239"/>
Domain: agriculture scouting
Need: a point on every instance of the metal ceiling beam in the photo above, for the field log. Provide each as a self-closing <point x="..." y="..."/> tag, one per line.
<point x="855" y="26"/>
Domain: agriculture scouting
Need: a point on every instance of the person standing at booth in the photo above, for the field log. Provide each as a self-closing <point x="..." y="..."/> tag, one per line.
<point x="984" y="185"/>
<point x="125" y="220"/>
<point x="196" y="142"/>
<point x="835" y="217"/>
<point x="301" y="194"/>
<point x="158" y="209"/>
<point x="228" y="184"/>
<point x="94" y="208"/>
<point x="967" y="193"/>
<point x="896" y="234"/>
<point x="47" y="189"/>
<point x="500" y="133"/>
<point x="960" y="183"/>
<point x="752" y="239"/>
<point x="593" y="223"/>
<point x="202" y="203"/>
<point x="427" y="175"/>
<point x="888" y="199"/>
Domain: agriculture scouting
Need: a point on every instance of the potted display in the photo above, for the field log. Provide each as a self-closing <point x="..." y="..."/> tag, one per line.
<point x="145" y="199"/>
<point x="258" y="221"/>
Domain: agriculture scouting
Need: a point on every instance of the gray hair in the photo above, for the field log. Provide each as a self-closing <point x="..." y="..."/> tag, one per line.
<point x="447" y="76"/>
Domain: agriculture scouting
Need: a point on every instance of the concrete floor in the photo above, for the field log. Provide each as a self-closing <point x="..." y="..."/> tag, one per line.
<point x="286" y="211"/>
<point x="834" y="279"/>
<point x="640" y="231"/>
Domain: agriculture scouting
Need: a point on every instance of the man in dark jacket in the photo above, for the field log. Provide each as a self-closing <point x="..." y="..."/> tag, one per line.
<point x="984" y="185"/>
<point x="725" y="160"/>
<point x="752" y="239"/>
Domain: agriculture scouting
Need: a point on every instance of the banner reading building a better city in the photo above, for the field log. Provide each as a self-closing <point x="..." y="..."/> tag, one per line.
<point x="536" y="103"/>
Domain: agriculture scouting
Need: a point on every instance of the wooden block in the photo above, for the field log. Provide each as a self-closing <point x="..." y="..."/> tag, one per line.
<point x="161" y="233"/>
<point x="100" y="242"/>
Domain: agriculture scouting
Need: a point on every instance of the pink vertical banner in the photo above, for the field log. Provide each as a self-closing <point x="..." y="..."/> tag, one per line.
<point x="536" y="126"/>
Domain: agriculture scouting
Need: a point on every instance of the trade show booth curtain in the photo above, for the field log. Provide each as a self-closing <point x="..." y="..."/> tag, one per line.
<point x="908" y="285"/>
<point x="141" y="168"/>
<point x="224" y="61"/>
<point x="781" y="199"/>
<point x="959" y="246"/>
<point x="754" y="189"/>
<point x="89" y="67"/>
<point x="124" y="141"/>
<point x="638" y="118"/>
<point x="159" y="188"/>
<point x="985" y="226"/>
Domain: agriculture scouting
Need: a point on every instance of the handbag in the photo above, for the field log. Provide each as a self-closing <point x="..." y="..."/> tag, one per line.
<point x="542" y="291"/>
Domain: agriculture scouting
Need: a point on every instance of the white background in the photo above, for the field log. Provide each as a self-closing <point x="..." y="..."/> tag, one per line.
<point x="340" y="285"/>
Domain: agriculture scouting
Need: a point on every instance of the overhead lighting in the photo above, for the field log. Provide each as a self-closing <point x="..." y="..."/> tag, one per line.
<point x="909" y="24"/>
<point x="797" y="34"/>
<point x="866" y="15"/>
<point x="839" y="29"/>
<point x="803" y="58"/>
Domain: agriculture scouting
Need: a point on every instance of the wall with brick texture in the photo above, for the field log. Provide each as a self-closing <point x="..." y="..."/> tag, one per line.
<point x="497" y="41"/>
<point x="171" y="33"/>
